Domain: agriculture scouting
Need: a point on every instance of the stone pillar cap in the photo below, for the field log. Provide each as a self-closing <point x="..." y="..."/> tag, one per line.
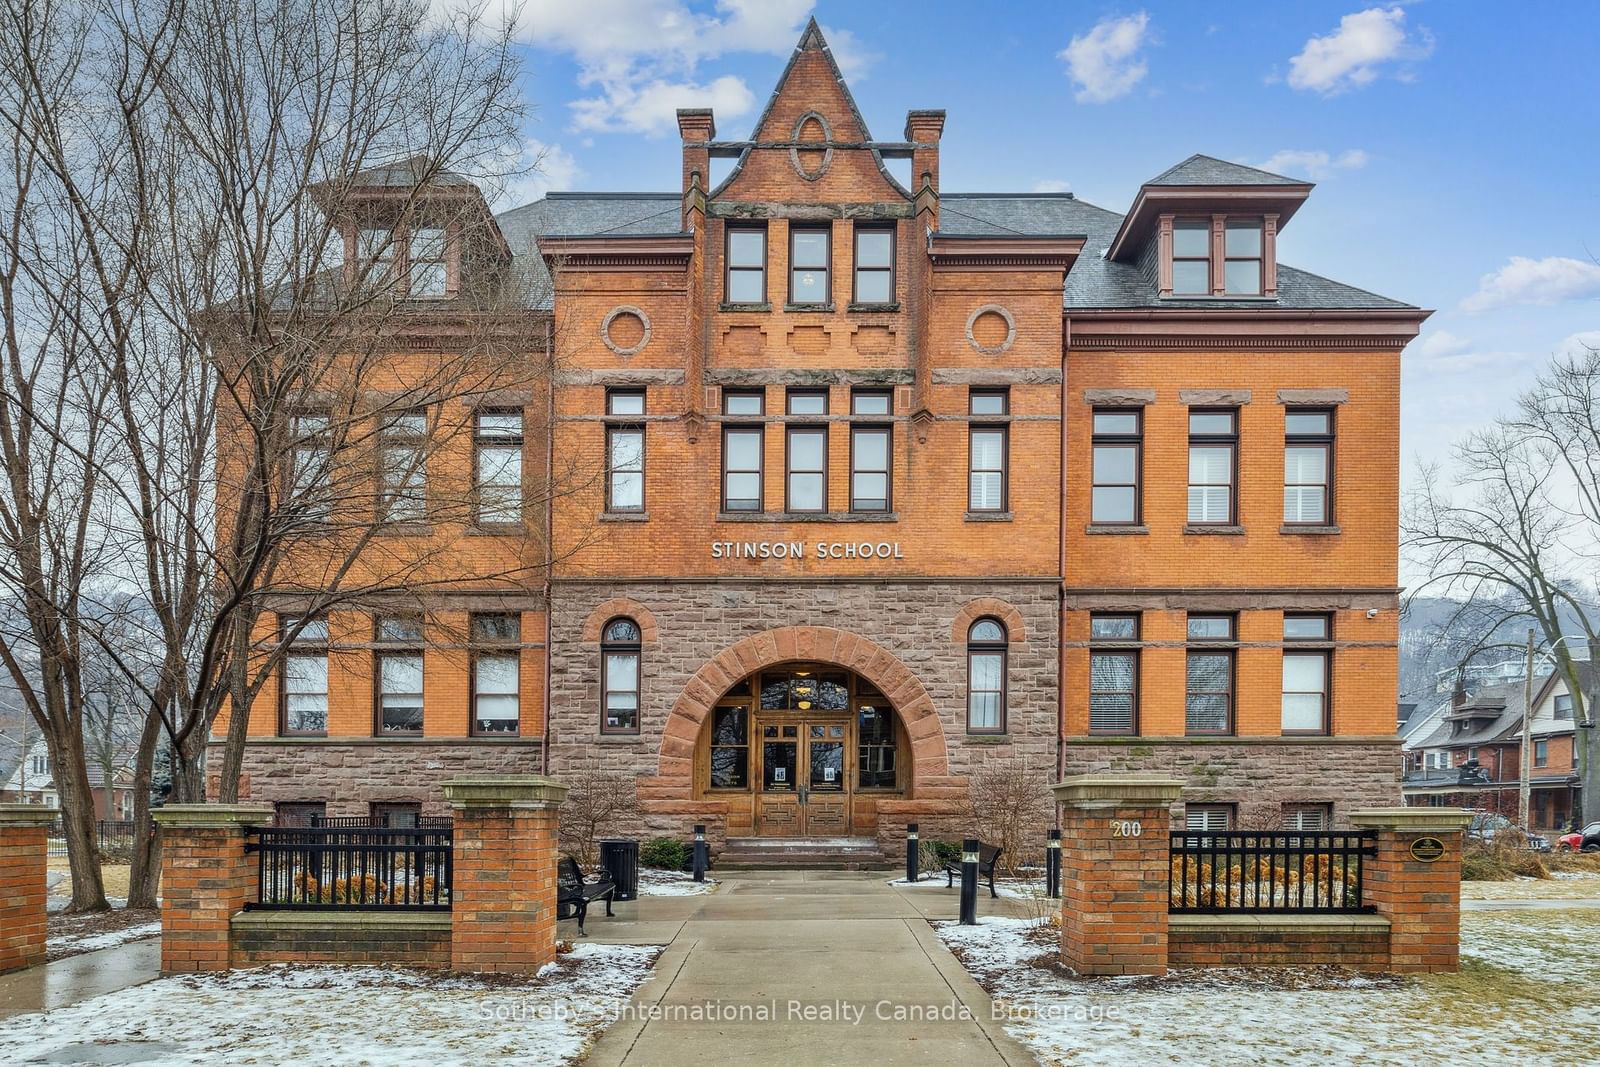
<point x="1412" y="819"/>
<point x="201" y="815"/>
<point x="504" y="791"/>
<point x="1113" y="790"/>
<point x="27" y="815"/>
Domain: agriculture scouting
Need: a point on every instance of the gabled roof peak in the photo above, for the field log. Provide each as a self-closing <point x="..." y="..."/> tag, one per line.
<point x="1200" y="169"/>
<point x="811" y="40"/>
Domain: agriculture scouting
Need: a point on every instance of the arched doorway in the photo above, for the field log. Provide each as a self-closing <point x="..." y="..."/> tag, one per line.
<point x="802" y="749"/>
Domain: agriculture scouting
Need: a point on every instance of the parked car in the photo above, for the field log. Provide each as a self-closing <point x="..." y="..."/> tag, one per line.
<point x="1487" y="827"/>
<point x="1585" y="840"/>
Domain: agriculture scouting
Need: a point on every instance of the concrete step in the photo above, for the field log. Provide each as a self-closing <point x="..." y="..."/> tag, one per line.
<point x="803" y="853"/>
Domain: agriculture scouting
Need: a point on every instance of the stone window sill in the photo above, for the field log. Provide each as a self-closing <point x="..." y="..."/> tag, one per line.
<point x="868" y="308"/>
<point x="1215" y="531"/>
<point x="404" y="529"/>
<point x="499" y="529"/>
<point x="1112" y="530"/>
<point x="725" y="307"/>
<point x="824" y="308"/>
<point x="808" y="516"/>
<point x="623" y="516"/>
<point x="1310" y="531"/>
<point x="988" y="516"/>
<point x="618" y="739"/>
<point x="988" y="739"/>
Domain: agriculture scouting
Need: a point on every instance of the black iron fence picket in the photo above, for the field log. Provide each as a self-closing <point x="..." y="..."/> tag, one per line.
<point x="372" y="867"/>
<point x="1272" y="871"/>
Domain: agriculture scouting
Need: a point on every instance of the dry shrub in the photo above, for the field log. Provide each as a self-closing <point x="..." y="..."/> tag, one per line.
<point x="1501" y="860"/>
<point x="597" y="806"/>
<point x="1013" y="807"/>
<point x="1574" y="862"/>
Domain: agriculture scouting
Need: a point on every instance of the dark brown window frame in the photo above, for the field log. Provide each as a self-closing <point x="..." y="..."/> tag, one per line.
<point x="886" y="394"/>
<point x="1132" y="655"/>
<point x="1325" y="441"/>
<point x="827" y="267"/>
<point x="447" y="260"/>
<point x="1135" y="441"/>
<point x="789" y="434"/>
<point x="1326" y="655"/>
<point x="1211" y="268"/>
<point x="1000" y="648"/>
<point x="302" y="647"/>
<point x="1231" y="693"/>
<point x="612" y="430"/>
<point x="303" y="445"/>
<point x="760" y="396"/>
<point x="1260" y="260"/>
<point x="609" y="648"/>
<point x="1327" y="626"/>
<point x="388" y="438"/>
<point x="887" y="472"/>
<point x="481" y="442"/>
<point x="1215" y="440"/>
<point x="480" y="647"/>
<point x="728" y="268"/>
<point x="980" y="423"/>
<point x="382" y="649"/>
<point x="745" y="706"/>
<point x="1541" y="752"/>
<point x="792" y="393"/>
<point x="857" y="269"/>
<point x="760" y="472"/>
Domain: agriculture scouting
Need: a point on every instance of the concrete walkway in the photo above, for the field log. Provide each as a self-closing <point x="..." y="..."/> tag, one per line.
<point x="89" y="974"/>
<point x="783" y="966"/>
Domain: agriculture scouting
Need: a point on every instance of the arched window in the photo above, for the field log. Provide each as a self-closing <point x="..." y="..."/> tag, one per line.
<point x="619" y="677"/>
<point x="986" y="677"/>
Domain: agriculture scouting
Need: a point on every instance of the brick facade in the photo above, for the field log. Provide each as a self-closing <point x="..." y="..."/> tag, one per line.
<point x="23" y="852"/>
<point x="397" y="938"/>
<point x="206" y="878"/>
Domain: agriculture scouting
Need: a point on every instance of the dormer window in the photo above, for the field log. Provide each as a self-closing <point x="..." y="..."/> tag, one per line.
<point x="1241" y="248"/>
<point x="430" y="276"/>
<point x="425" y="254"/>
<point x="375" y="253"/>
<point x="1191" y="257"/>
<point x="1218" y="256"/>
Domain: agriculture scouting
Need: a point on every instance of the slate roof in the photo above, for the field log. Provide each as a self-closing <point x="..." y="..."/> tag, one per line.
<point x="406" y="172"/>
<point x="1094" y="282"/>
<point x="1209" y="170"/>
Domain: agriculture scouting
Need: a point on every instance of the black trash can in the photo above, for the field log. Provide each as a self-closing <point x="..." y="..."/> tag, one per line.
<point x="619" y="858"/>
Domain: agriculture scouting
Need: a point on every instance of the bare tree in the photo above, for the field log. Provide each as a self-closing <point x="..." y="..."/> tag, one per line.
<point x="597" y="804"/>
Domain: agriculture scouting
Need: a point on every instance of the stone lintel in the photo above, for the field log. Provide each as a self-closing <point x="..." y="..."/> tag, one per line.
<point x="196" y="816"/>
<point x="1119" y="398"/>
<point x="1206" y="398"/>
<point x="1354" y="922"/>
<point x="1313" y="397"/>
<point x="26" y="815"/>
<point x="505" y="791"/>
<point x="1412" y="820"/>
<point x="1118" y="790"/>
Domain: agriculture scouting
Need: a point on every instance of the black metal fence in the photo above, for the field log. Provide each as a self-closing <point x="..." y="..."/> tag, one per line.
<point x="426" y="822"/>
<point x="109" y="834"/>
<point x="1276" y="871"/>
<point x="373" y="867"/>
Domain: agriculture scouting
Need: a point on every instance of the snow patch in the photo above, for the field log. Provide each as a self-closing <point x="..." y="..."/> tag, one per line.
<point x="111" y="939"/>
<point x="659" y="883"/>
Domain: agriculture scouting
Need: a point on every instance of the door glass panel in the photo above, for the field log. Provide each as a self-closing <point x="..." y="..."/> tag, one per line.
<point x="778" y="764"/>
<point x="827" y="764"/>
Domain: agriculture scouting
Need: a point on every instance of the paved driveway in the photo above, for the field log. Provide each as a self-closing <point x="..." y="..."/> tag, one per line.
<point x="791" y="966"/>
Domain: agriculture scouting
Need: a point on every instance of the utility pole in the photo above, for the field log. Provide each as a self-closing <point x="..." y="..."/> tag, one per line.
<point x="1525" y="753"/>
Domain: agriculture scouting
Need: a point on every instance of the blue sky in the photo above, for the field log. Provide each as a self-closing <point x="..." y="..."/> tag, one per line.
<point x="1455" y="143"/>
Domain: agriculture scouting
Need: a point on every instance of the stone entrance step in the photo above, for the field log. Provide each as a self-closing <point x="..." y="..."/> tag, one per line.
<point x="803" y="853"/>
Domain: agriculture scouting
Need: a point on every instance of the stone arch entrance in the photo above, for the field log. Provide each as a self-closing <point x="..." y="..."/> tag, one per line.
<point x="924" y="759"/>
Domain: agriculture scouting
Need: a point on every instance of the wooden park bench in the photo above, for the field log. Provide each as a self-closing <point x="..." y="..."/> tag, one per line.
<point x="573" y="892"/>
<point x="988" y="858"/>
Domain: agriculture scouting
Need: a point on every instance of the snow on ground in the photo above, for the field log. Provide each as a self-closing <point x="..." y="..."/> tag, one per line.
<point x="658" y="883"/>
<point x="1006" y="887"/>
<point x="1523" y="973"/>
<point x="341" y="1016"/>
<point x="110" y="939"/>
<point x="1562" y="885"/>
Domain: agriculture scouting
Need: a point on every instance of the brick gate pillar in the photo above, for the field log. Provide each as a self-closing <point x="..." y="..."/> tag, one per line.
<point x="1114" y="872"/>
<point x="1415" y="881"/>
<point x="24" y="848"/>
<point x="206" y="878"/>
<point x="503" y="891"/>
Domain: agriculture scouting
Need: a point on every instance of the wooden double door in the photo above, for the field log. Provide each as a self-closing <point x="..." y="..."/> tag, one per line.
<point x="804" y="779"/>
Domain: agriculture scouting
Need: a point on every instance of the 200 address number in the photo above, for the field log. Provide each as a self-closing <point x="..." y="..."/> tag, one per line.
<point x="1126" y="828"/>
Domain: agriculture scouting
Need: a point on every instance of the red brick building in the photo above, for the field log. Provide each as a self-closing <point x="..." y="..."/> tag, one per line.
<point x="904" y="486"/>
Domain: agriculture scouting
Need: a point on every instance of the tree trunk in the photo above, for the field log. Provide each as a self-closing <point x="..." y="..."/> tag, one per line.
<point x="77" y="817"/>
<point x="144" y="878"/>
<point x="238" y="720"/>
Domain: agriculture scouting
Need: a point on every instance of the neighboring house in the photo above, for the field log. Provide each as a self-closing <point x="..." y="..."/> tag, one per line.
<point x="1471" y="756"/>
<point x="901" y="486"/>
<point x="33" y="782"/>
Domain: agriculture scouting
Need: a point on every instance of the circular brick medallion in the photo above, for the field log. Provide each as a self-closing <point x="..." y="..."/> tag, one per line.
<point x="991" y="329"/>
<point x="812" y="127"/>
<point x="625" y="330"/>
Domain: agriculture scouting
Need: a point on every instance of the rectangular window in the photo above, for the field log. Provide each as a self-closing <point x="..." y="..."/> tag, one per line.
<point x="807" y="487"/>
<point x="625" y="452"/>
<point x="1563" y="708"/>
<point x="1241" y="249"/>
<point x="808" y="401"/>
<point x="1113" y="627"/>
<point x="1308" y="468"/>
<point x="874" y="265"/>
<point x="747" y="265"/>
<point x="497" y="441"/>
<point x="304" y="684"/>
<point x="743" y="402"/>
<point x="430" y="275"/>
<point x="730" y="748"/>
<point x="810" y="254"/>
<point x="1307" y="818"/>
<point x="403" y="814"/>
<point x="299" y="812"/>
<point x="375" y="256"/>
<point x="1208" y="700"/>
<point x="741" y="468"/>
<point x="398" y="678"/>
<point x="869" y="468"/>
<point x="1316" y="627"/>
<point x="987" y="452"/>
<point x="310" y="475"/>
<point x="621" y="696"/>
<point x="1305" y="692"/>
<point x="1113" y="692"/>
<point x="1191" y="257"/>
<point x="496" y="674"/>
<point x="871" y="402"/>
<point x="876" y="741"/>
<point x="403" y="468"/>
<point x="1213" y="457"/>
<point x="1210" y="627"/>
<point x="1541" y="753"/>
<point x="986" y="669"/>
<point x="1208" y="818"/>
<point x="1114" y="496"/>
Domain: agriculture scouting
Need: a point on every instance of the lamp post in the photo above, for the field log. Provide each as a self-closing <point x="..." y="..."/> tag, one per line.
<point x="1052" y="865"/>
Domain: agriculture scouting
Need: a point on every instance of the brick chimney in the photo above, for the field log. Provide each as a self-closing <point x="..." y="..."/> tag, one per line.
<point x="923" y="130"/>
<point x="697" y="128"/>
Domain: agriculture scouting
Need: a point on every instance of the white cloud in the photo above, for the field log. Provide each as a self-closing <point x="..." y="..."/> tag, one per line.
<point x="1579" y="344"/>
<point x="1052" y="185"/>
<point x="1551" y="280"/>
<point x="1312" y="163"/>
<point x="640" y="58"/>
<point x="854" y="57"/>
<point x="1441" y="343"/>
<point x="1104" y="63"/>
<point x="540" y="169"/>
<point x="1355" y="54"/>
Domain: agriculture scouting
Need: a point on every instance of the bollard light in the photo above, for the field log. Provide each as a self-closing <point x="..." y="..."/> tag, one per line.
<point x="911" y="852"/>
<point x="969" y="882"/>
<point x="1052" y="865"/>
<point x="700" y="850"/>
